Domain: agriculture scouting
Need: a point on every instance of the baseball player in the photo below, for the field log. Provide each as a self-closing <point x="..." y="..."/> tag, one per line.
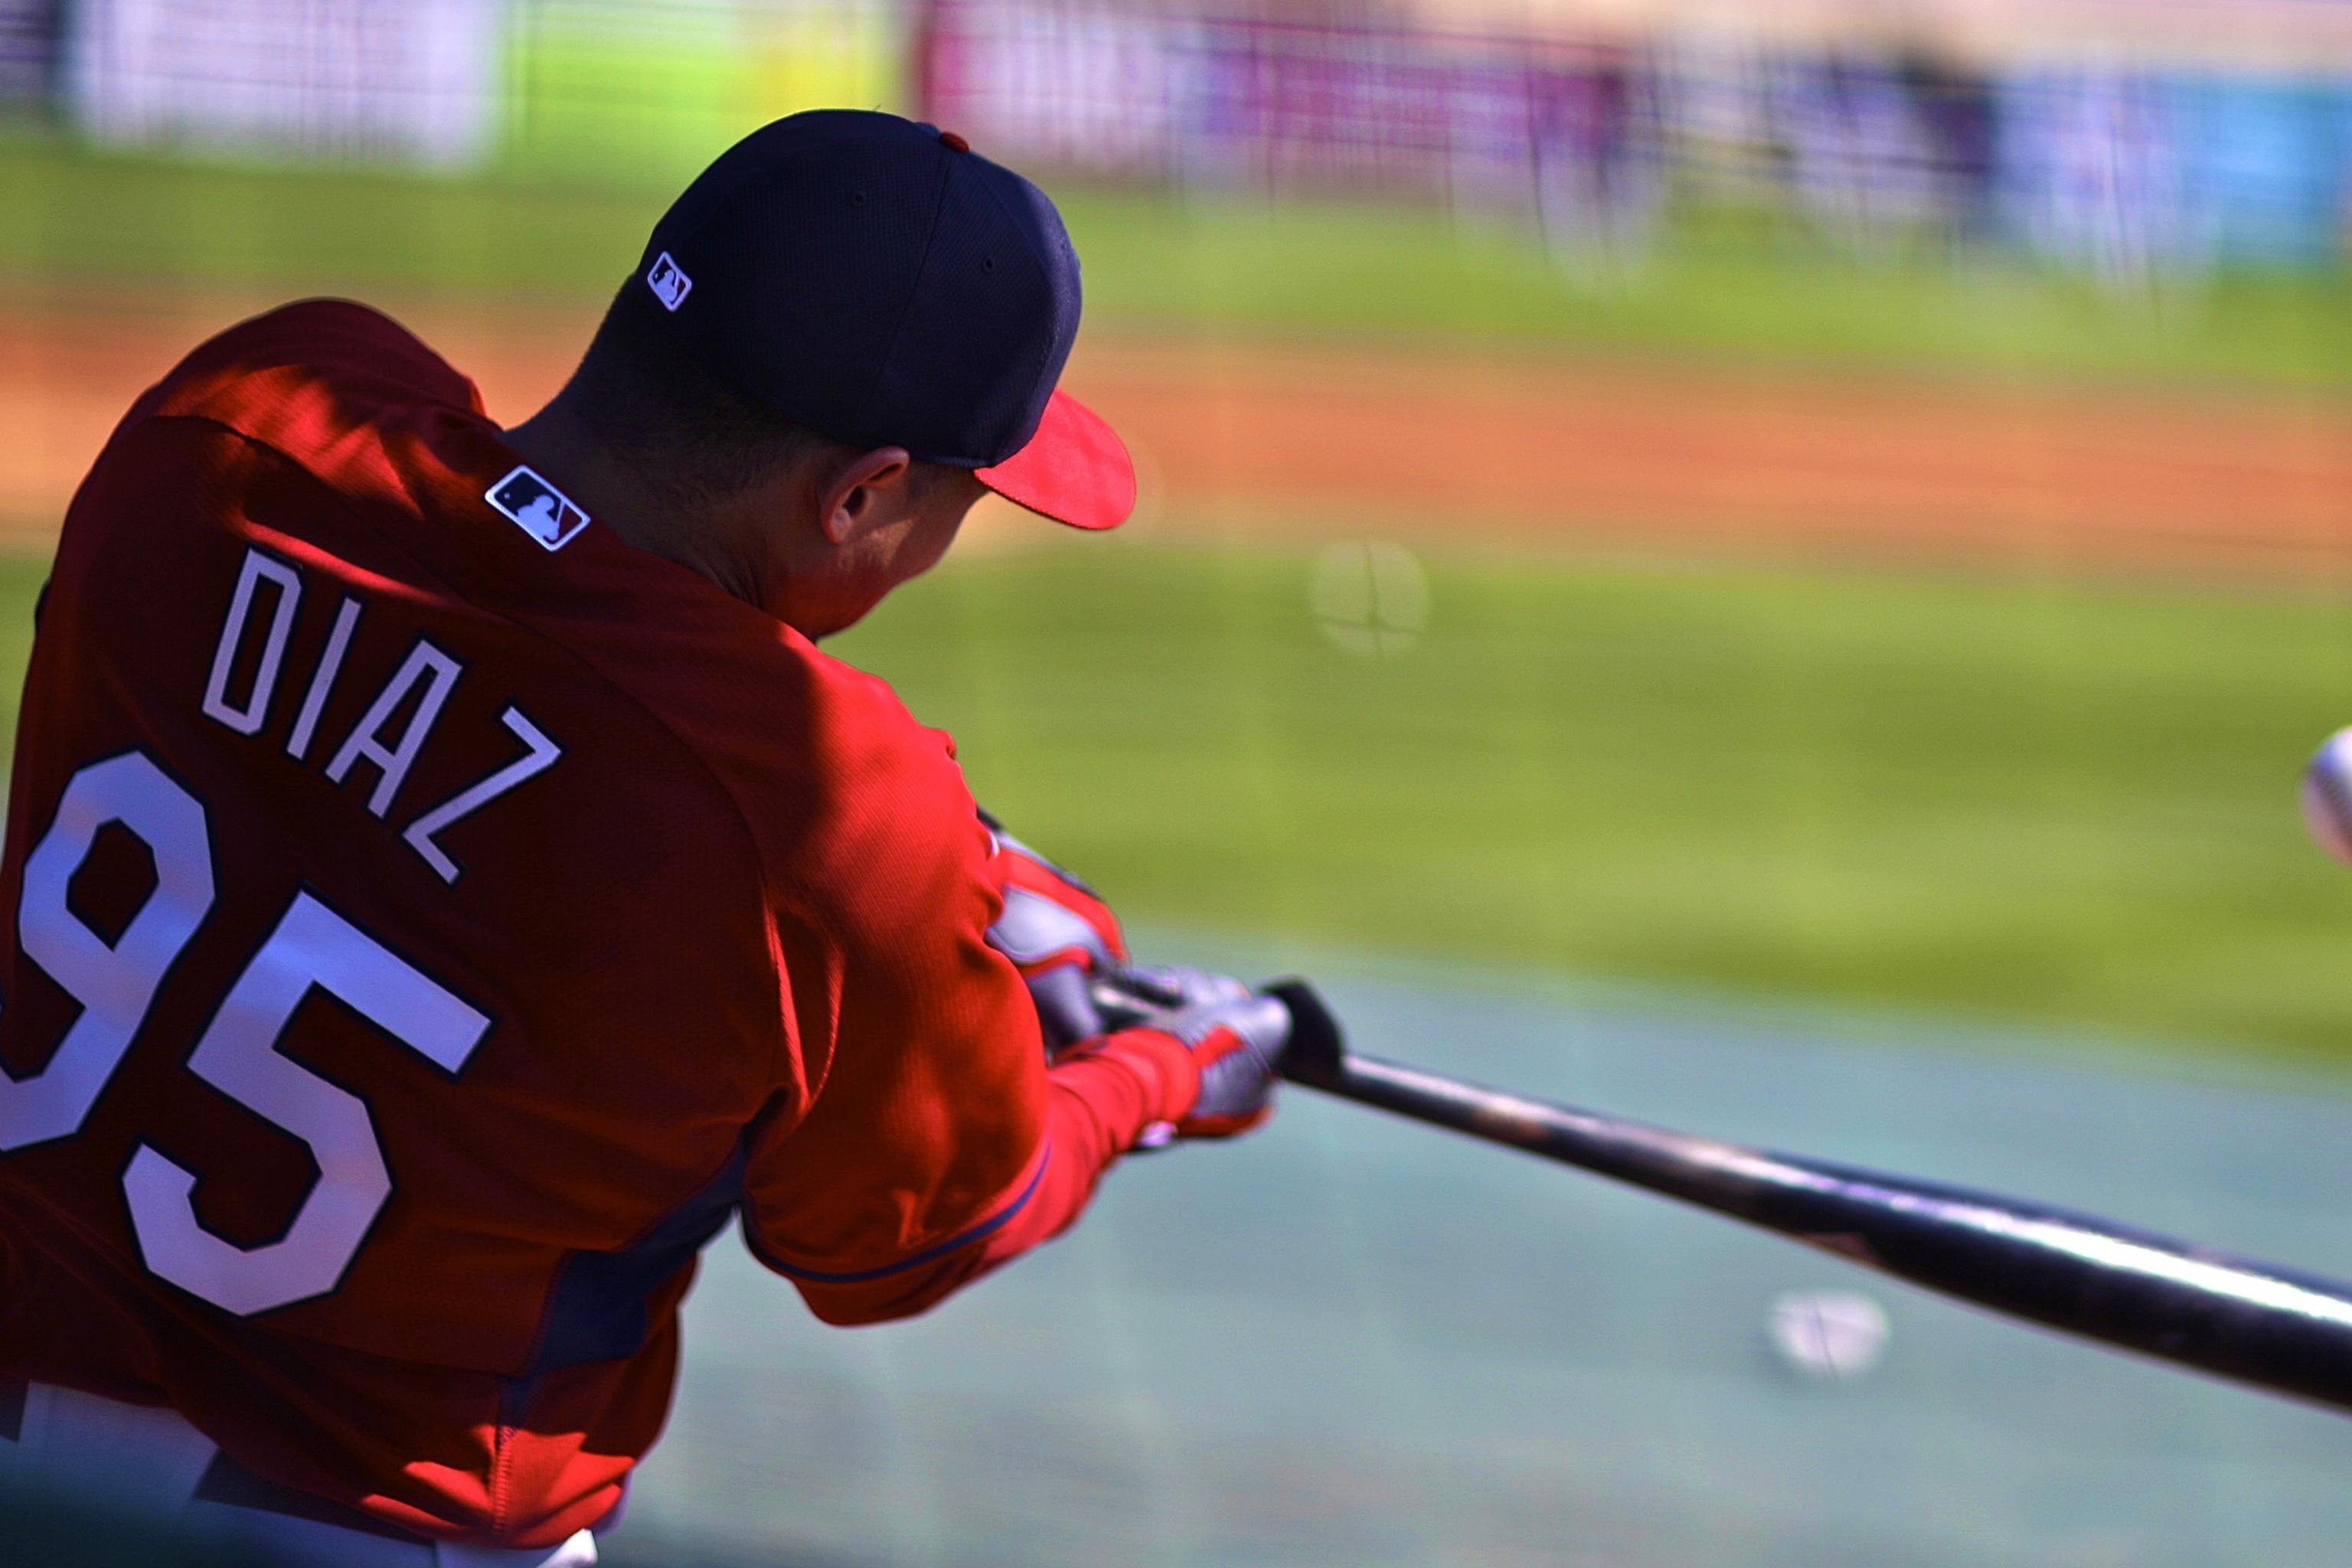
<point x="444" y="882"/>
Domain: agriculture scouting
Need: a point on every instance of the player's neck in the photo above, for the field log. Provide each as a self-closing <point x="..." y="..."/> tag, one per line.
<point x="564" y="451"/>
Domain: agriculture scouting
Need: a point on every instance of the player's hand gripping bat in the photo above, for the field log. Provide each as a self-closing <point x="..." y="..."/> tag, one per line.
<point x="2238" y="1319"/>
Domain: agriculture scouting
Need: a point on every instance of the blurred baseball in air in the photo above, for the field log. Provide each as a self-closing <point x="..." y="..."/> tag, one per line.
<point x="1370" y="597"/>
<point x="2327" y="796"/>
<point x="1833" y="1334"/>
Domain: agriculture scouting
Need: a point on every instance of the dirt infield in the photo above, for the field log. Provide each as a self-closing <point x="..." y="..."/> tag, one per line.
<point x="1240" y="437"/>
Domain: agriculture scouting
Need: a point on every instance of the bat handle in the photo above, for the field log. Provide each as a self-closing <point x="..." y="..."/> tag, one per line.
<point x="1318" y="1055"/>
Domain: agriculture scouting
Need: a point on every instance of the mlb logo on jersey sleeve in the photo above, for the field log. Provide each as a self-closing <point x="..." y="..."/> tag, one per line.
<point x="669" y="285"/>
<point x="537" y="508"/>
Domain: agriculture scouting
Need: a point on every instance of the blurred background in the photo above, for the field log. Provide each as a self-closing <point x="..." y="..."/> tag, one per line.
<point x="1767" y="568"/>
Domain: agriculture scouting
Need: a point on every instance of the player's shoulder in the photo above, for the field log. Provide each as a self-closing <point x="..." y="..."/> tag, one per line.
<point x="334" y="420"/>
<point x="892" y="861"/>
<point x="843" y="785"/>
<point x="316" y="347"/>
<point x="330" y="387"/>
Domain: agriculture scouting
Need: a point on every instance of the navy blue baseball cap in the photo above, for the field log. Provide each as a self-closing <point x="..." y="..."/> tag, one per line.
<point x="875" y="279"/>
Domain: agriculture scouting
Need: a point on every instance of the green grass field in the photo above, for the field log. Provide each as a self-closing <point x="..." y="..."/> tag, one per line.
<point x="1206" y="266"/>
<point x="2012" y="800"/>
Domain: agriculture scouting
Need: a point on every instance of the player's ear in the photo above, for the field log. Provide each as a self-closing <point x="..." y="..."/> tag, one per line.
<point x="864" y="491"/>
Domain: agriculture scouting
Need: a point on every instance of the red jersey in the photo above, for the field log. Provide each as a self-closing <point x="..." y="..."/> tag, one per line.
<point x="425" y="920"/>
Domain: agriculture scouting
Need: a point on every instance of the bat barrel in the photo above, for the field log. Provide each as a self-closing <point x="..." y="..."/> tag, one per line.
<point x="2248" y="1321"/>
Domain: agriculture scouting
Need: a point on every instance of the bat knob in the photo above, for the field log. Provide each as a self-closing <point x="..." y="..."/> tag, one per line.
<point x="1317" y="1052"/>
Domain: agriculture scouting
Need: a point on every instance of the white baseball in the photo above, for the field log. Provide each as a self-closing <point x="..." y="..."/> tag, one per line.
<point x="2327" y="796"/>
<point x="1370" y="597"/>
<point x="1827" y="1334"/>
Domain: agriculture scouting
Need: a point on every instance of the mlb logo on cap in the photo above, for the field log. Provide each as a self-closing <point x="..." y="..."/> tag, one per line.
<point x="537" y="508"/>
<point x="669" y="285"/>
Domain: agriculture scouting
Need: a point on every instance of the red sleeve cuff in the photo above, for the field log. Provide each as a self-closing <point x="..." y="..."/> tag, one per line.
<point x="1156" y="1079"/>
<point x="1102" y="1095"/>
<point x="1004" y="1215"/>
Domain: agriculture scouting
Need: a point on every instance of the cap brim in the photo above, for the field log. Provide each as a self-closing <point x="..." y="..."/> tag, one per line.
<point x="1075" y="469"/>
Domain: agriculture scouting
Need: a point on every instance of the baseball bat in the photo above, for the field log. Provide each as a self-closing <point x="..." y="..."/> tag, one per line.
<point x="2251" y="1322"/>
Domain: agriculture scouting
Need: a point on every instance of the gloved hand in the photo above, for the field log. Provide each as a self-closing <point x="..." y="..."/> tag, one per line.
<point x="1236" y="1037"/>
<point x="1153" y="993"/>
<point x="1058" y="933"/>
<point x="1238" y="1045"/>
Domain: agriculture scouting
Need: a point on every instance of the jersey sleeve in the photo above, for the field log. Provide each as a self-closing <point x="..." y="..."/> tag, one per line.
<point x="937" y="1144"/>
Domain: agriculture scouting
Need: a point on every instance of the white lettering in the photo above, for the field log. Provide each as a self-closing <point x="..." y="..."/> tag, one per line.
<point x="541" y="757"/>
<point x="390" y="736"/>
<point x="313" y="948"/>
<point x="114" y="982"/>
<point x="330" y="663"/>
<point x="425" y="664"/>
<point x="257" y="566"/>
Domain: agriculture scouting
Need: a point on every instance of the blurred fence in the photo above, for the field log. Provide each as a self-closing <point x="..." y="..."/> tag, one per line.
<point x="598" y="90"/>
<point x="2119" y="165"/>
<point x="1599" y="137"/>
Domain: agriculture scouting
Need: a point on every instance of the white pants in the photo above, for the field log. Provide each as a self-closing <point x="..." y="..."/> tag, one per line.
<point x="149" y="1461"/>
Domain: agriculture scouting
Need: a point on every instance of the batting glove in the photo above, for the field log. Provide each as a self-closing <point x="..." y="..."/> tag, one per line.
<point x="1236" y="1036"/>
<point x="1058" y="933"/>
<point x="1238" y="1045"/>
